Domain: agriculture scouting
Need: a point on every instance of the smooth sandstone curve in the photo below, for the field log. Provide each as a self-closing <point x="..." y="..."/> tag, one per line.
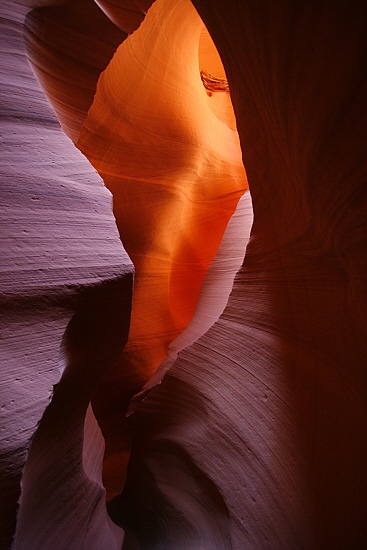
<point x="176" y="175"/>
<point x="61" y="255"/>
<point x="265" y="445"/>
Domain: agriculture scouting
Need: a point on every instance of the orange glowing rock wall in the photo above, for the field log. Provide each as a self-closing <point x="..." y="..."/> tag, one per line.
<point x="176" y="175"/>
<point x="166" y="148"/>
<point x="176" y="180"/>
<point x="266" y="446"/>
<point x="256" y="436"/>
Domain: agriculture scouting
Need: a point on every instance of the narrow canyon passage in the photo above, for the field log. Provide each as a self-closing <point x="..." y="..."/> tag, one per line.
<point x="176" y="174"/>
<point x="185" y="206"/>
<point x="255" y="438"/>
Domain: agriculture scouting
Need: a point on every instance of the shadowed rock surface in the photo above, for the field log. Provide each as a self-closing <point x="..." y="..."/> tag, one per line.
<point x="61" y="262"/>
<point x="256" y="437"/>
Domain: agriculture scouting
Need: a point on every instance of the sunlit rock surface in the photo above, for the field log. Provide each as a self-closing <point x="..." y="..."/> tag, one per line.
<point x="265" y="445"/>
<point x="176" y="174"/>
<point x="256" y="437"/>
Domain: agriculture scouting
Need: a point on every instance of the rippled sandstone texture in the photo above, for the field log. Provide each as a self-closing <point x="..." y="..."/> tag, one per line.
<point x="176" y="175"/>
<point x="173" y="166"/>
<point x="266" y="446"/>
<point x="256" y="437"/>
<point x="186" y="206"/>
<point x="62" y="265"/>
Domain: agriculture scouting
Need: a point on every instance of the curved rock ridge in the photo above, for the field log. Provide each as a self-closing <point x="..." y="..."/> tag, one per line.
<point x="68" y="47"/>
<point x="126" y="14"/>
<point x="60" y="254"/>
<point x="62" y="479"/>
<point x="214" y="292"/>
<point x="270" y="405"/>
<point x="182" y="174"/>
<point x="170" y="155"/>
<point x="255" y="438"/>
<point x="67" y="55"/>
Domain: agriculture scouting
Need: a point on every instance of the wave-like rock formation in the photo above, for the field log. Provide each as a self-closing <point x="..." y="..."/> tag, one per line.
<point x="62" y="265"/>
<point x="176" y="174"/>
<point x="256" y="436"/>
<point x="68" y="46"/>
<point x="266" y="445"/>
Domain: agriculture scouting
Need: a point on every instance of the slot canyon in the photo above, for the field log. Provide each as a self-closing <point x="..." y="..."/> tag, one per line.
<point x="183" y="275"/>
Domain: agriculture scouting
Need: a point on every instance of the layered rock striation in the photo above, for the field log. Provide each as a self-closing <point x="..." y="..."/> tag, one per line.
<point x="62" y="265"/>
<point x="255" y="437"/>
<point x="265" y="446"/>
